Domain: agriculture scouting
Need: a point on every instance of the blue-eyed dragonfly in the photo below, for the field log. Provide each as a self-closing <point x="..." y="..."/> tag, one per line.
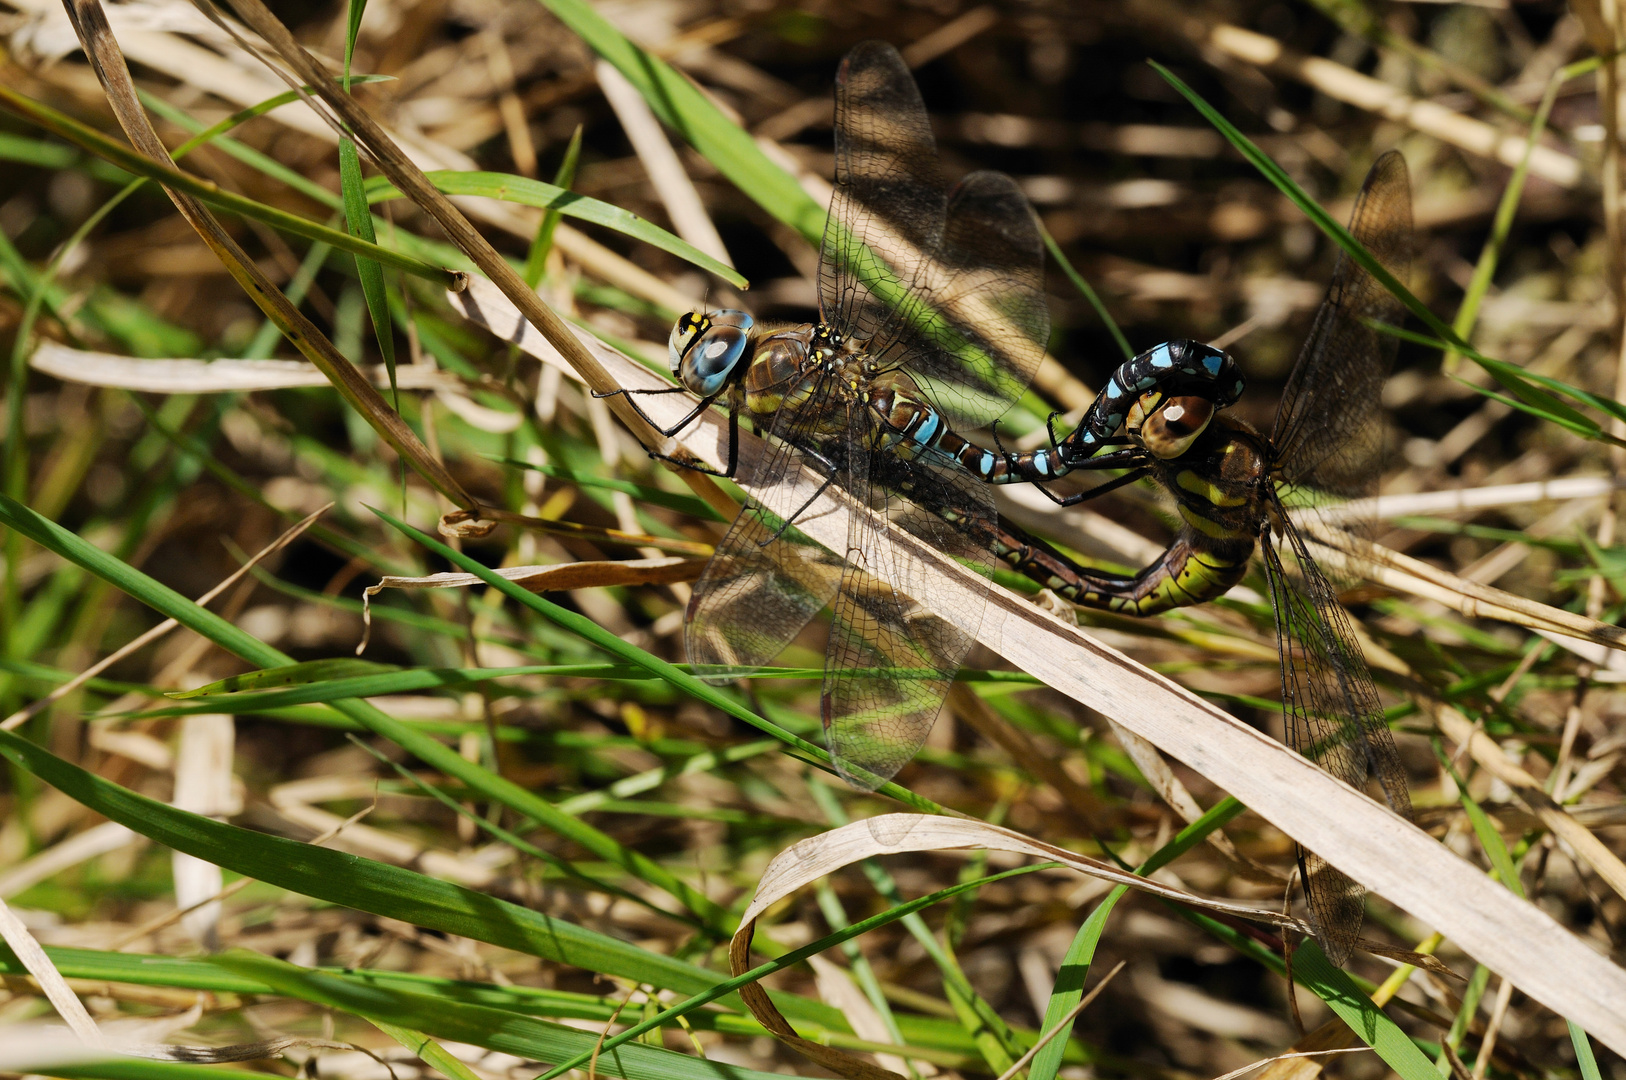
<point x="1236" y="490"/>
<point x="931" y="315"/>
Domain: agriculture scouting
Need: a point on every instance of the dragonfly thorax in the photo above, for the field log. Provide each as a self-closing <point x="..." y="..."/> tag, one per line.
<point x="1222" y="483"/>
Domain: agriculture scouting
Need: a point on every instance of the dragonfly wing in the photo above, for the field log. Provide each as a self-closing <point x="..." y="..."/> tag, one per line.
<point x="766" y="581"/>
<point x="1328" y="432"/>
<point x="977" y="333"/>
<point x="949" y="286"/>
<point x="1332" y="716"/>
<point x="892" y="659"/>
<point x="886" y="214"/>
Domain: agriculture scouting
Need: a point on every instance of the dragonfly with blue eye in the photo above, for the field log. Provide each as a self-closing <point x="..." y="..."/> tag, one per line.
<point x="714" y="354"/>
<point x="932" y="317"/>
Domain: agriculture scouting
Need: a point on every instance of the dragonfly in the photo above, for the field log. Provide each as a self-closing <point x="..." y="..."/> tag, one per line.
<point x="931" y="317"/>
<point x="1237" y="490"/>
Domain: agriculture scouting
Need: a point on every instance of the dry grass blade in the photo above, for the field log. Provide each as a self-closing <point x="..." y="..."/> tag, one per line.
<point x="1295" y="1056"/>
<point x="55" y="987"/>
<point x="410" y="180"/>
<point x="1488" y="753"/>
<point x="1366" y="841"/>
<point x="1463" y="500"/>
<point x="540" y="579"/>
<point x="90" y="23"/>
<point x="1384" y="566"/>
<point x="214" y="376"/>
<point x="81" y="847"/>
<point x="576" y="575"/>
<point x="808" y="860"/>
<point x="661" y="162"/>
<point x="594" y="533"/>
<point x="1343" y="84"/>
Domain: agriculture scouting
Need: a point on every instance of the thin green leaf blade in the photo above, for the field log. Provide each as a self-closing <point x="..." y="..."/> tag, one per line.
<point x="359" y="220"/>
<point x="545" y="196"/>
<point x="536" y="259"/>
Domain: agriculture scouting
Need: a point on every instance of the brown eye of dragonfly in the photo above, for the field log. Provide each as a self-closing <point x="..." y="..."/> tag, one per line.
<point x="1170" y="430"/>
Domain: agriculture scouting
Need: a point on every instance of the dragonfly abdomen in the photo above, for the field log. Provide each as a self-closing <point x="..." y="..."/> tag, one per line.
<point x="1191" y="570"/>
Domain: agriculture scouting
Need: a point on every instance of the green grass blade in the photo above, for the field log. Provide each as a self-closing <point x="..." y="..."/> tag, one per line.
<point x="537" y="193"/>
<point x="292" y="675"/>
<point x="1089" y="293"/>
<point x="430" y="1052"/>
<point x="377" y="684"/>
<point x="1352" y="1005"/>
<point x="1529" y="395"/>
<point x="1502" y="223"/>
<point x="536" y="259"/>
<point x="1489" y="838"/>
<point x="495" y="1029"/>
<point x="126" y="158"/>
<point x="684" y="109"/>
<point x="1585" y="1059"/>
<point x="359" y="219"/>
<point x="351" y="31"/>
<point x="136" y="1069"/>
<point x="1075" y="966"/>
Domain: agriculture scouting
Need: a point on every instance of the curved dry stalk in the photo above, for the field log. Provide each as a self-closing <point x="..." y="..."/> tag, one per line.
<point x="889" y="834"/>
<point x="1385" y="566"/>
<point x="1389" y="856"/>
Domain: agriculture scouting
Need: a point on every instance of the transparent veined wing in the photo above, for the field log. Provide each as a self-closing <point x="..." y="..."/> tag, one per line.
<point x="1328" y="434"/>
<point x="1331" y="714"/>
<point x="892" y="658"/>
<point x="765" y="581"/>
<point x="946" y="285"/>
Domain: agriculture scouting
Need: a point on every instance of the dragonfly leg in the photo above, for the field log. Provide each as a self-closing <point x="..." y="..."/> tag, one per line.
<point x="999" y="444"/>
<point x="694" y="464"/>
<point x="705" y="403"/>
<point x="829" y="478"/>
<point x="1050" y="429"/>
<point x="1100" y="489"/>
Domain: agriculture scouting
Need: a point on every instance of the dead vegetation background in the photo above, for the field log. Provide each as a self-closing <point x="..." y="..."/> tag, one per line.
<point x="666" y="810"/>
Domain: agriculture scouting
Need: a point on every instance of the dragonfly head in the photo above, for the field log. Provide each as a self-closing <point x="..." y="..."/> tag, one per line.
<point x="1167" y="426"/>
<point x="705" y="348"/>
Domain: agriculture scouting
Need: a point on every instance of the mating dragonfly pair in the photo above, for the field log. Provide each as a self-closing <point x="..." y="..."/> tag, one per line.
<point x="932" y="318"/>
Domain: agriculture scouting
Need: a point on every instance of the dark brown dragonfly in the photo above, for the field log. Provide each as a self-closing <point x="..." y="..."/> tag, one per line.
<point x="1238" y="491"/>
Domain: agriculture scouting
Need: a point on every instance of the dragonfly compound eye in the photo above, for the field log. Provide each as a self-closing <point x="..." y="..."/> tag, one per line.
<point x="685" y="332"/>
<point x="704" y="349"/>
<point x="1169" y="430"/>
